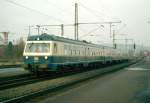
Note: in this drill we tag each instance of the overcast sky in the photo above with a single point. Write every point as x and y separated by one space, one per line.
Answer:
16 16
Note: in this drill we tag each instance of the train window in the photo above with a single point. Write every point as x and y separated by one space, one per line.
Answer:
37 48
85 52
66 50
88 51
75 52
55 48
71 52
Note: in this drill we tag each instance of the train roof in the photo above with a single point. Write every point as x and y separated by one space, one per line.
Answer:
50 37
47 37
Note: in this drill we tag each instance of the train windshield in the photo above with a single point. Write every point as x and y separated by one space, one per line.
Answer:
37 47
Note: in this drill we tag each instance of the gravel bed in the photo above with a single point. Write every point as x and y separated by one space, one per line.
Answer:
8 72
4 65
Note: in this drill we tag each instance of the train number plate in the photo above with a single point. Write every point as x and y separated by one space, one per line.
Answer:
36 58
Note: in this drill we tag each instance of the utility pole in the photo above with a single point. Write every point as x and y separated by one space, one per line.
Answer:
76 22
126 45
114 45
110 24
127 49
126 42
62 30
38 29
29 30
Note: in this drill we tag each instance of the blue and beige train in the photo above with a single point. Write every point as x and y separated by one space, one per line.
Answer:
52 53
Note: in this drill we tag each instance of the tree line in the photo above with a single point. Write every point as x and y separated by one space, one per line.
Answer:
12 52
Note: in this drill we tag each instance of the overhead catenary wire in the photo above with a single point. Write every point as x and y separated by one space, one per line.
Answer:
34 10
105 10
90 10
90 32
58 7
99 14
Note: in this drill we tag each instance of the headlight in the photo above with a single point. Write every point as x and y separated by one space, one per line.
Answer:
27 57
46 57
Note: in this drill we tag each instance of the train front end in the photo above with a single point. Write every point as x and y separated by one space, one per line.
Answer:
37 55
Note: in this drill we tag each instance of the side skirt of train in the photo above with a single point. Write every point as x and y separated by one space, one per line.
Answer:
42 66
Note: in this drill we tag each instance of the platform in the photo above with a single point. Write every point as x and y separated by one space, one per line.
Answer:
129 85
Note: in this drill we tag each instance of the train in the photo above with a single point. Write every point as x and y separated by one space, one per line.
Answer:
46 52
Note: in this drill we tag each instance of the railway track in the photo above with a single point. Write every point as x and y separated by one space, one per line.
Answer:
27 79
16 82
75 79
9 78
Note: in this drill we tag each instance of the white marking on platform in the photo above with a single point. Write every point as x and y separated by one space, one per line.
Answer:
137 69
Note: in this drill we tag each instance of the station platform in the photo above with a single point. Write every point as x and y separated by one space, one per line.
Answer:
128 85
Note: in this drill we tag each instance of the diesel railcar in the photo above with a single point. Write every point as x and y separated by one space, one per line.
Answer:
52 53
